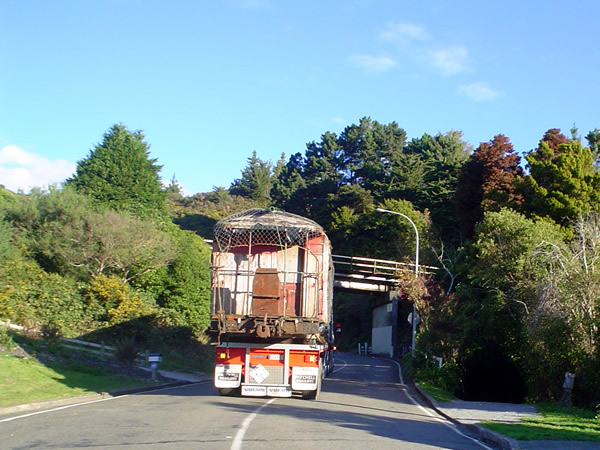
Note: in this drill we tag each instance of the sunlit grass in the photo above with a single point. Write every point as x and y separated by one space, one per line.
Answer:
556 423
25 380
438 394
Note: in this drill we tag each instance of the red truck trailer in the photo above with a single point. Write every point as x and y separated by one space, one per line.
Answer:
271 304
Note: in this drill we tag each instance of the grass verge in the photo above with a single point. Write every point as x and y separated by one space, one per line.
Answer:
438 394
25 380
556 423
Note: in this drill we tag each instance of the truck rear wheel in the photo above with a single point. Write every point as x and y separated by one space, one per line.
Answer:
230 392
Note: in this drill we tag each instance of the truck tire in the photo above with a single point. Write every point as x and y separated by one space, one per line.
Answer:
230 392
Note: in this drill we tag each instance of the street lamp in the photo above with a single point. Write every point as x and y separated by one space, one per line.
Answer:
414 313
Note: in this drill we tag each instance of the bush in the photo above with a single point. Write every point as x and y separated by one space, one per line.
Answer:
116 301
126 350
423 367
30 296
6 340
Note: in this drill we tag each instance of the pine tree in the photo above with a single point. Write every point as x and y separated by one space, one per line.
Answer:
119 172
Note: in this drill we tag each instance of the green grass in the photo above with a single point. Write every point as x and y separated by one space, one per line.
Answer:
556 423
25 380
438 394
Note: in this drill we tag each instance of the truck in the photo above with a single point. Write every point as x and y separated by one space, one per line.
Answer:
271 304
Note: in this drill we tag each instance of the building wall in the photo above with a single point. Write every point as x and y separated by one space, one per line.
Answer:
382 336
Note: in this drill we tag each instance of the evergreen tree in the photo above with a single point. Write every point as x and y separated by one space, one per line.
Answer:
487 182
436 164
255 182
562 183
119 172
593 138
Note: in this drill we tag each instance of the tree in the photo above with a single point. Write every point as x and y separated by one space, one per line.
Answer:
255 182
369 152
183 289
562 183
554 139
487 182
494 303
571 287
500 257
69 236
287 180
440 160
593 138
388 236
120 173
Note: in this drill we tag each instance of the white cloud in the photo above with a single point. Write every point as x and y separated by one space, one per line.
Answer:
20 169
480 92
449 60
404 33
372 63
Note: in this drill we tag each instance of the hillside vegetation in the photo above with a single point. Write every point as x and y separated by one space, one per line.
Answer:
514 305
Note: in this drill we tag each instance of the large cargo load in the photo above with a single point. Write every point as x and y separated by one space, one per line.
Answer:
271 303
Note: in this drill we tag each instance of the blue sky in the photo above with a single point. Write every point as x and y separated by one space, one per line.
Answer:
208 82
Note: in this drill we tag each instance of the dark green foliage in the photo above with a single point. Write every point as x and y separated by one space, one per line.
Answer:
182 288
593 138
120 173
287 180
201 212
256 181
423 367
432 167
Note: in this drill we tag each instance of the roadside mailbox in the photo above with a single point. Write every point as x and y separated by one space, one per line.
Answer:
154 359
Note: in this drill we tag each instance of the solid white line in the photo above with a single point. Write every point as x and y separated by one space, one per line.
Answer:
399 370
432 415
239 436
60 408
24 416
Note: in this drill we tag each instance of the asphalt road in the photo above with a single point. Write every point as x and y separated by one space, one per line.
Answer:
363 405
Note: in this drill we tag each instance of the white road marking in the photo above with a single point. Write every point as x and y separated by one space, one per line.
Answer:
23 416
432 415
59 408
239 437
341 368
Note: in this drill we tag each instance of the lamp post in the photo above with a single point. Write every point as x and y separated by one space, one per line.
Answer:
414 312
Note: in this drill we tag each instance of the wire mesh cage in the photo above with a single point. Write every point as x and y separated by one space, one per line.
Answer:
264 227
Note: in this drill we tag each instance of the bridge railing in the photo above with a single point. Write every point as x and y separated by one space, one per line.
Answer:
375 267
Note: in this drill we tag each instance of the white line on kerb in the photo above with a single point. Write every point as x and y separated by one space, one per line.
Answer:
429 413
239 436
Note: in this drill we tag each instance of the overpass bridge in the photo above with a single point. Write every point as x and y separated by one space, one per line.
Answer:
354 273
377 279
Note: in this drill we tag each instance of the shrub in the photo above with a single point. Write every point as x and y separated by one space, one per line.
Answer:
126 350
6 340
116 301
423 367
29 295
